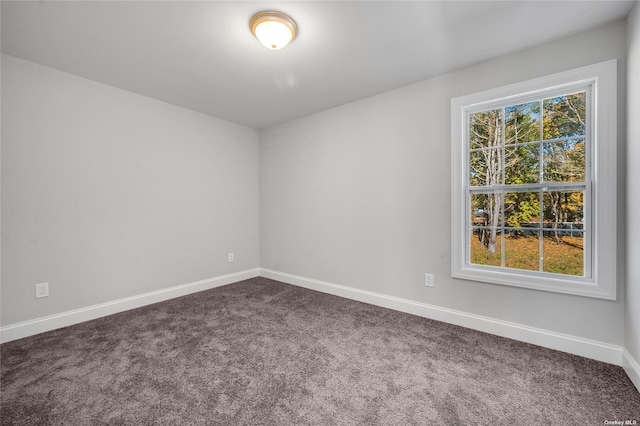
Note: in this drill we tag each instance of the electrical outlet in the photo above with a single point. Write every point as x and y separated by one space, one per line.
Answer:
42 290
230 257
428 280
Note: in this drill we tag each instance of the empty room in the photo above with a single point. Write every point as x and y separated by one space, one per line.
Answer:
320 212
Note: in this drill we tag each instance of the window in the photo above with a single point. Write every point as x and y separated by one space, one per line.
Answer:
534 183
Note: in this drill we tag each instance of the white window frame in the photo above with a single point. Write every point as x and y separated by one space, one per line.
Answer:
601 241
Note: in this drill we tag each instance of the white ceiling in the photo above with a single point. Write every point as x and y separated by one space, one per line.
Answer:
201 55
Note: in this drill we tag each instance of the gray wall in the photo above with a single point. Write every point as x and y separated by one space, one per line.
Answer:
632 311
359 195
108 194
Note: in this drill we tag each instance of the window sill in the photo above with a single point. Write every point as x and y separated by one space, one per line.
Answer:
546 282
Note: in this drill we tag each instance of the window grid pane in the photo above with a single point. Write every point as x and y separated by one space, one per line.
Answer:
527 185
598 82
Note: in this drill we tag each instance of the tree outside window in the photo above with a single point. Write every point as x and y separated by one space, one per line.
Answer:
527 183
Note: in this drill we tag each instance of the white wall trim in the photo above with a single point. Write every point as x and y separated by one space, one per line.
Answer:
576 345
632 368
64 319
572 344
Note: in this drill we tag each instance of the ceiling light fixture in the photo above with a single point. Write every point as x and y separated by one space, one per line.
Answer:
273 29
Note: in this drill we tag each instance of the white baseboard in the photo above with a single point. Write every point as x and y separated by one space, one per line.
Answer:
632 368
575 345
64 319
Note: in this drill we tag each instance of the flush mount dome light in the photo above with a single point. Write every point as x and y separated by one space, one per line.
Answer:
273 29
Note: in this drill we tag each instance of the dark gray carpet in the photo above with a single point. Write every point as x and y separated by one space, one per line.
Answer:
264 352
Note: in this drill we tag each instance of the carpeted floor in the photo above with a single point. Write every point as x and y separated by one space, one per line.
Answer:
264 352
